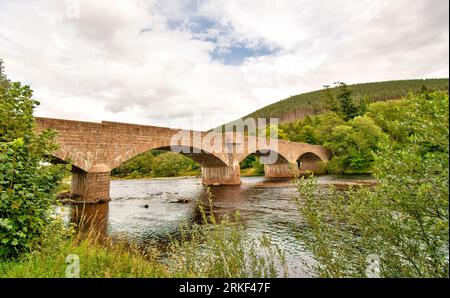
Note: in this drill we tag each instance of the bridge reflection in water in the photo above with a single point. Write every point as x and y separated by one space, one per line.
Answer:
90 218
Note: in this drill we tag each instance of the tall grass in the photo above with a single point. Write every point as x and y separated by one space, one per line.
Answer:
99 256
223 249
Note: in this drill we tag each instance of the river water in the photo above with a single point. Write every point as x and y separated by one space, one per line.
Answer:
150 209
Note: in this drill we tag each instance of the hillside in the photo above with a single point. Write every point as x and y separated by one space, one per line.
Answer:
298 106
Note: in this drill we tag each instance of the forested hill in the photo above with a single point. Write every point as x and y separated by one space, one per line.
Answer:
298 106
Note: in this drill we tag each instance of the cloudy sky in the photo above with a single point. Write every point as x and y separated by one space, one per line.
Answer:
198 64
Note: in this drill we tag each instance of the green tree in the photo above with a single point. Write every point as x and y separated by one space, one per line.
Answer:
325 124
171 164
138 166
308 135
391 117
363 105
353 145
27 180
402 224
248 162
258 166
275 129
330 99
346 104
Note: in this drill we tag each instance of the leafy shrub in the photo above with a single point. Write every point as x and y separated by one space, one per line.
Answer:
248 162
258 166
353 145
403 223
391 116
27 181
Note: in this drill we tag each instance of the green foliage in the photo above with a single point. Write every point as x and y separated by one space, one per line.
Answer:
346 105
354 142
390 116
258 167
343 103
276 132
325 125
140 166
403 222
308 135
27 181
353 145
248 161
172 164
251 166
97 259
329 99
157 163
313 129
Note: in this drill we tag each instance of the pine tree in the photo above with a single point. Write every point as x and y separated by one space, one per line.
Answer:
347 106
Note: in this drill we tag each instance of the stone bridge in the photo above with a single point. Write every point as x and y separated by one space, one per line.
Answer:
94 149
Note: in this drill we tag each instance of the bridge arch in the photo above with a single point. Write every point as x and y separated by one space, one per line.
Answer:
73 158
267 156
204 158
311 162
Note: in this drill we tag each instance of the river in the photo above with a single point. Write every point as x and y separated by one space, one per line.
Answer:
149 209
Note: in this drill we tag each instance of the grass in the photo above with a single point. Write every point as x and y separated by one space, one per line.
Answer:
96 260
250 172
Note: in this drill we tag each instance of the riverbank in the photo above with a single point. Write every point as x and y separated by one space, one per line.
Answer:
96 260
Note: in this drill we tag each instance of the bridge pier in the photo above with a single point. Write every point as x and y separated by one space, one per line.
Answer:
280 170
222 175
92 186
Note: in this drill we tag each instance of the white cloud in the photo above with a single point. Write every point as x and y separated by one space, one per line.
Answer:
123 61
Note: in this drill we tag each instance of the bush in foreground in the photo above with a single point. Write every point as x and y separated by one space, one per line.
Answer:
27 181
401 228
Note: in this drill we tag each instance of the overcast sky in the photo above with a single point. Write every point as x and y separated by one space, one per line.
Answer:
198 64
